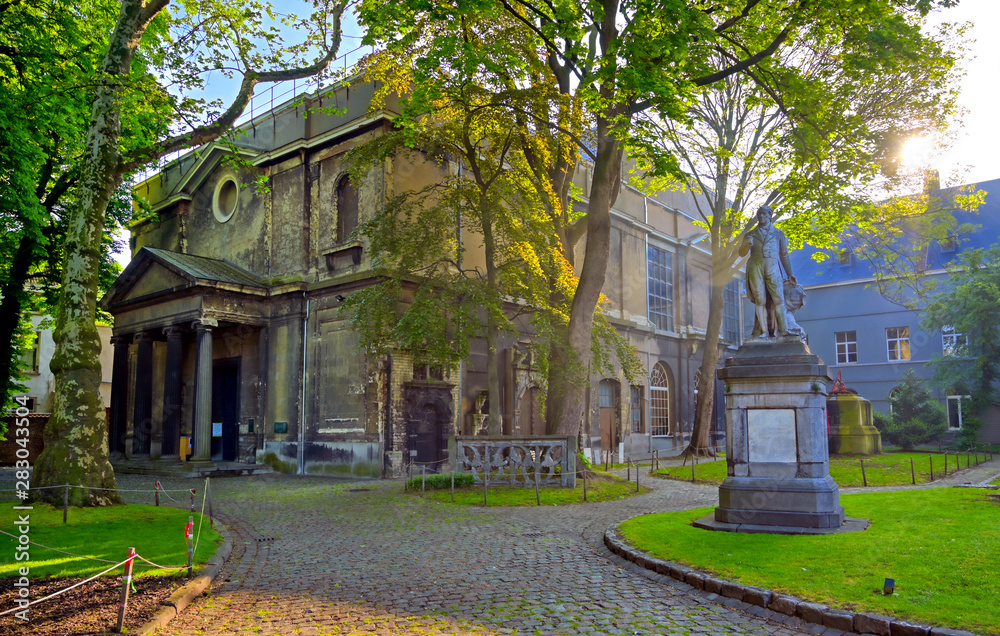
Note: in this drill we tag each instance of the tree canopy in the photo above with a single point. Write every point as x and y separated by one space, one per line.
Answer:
966 311
619 59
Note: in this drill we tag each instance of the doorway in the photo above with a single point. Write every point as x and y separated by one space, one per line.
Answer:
225 410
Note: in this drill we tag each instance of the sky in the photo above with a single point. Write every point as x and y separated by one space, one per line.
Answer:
977 146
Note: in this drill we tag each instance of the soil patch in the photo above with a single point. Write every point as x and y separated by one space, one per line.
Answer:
88 610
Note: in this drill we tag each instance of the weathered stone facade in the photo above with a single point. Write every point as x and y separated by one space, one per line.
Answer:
228 330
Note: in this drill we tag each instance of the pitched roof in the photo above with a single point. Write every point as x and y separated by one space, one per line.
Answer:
809 271
208 269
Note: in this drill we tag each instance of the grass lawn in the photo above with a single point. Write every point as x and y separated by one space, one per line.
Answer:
601 488
156 533
941 546
888 469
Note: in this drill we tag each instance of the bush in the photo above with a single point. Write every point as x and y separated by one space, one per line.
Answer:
917 418
913 432
440 481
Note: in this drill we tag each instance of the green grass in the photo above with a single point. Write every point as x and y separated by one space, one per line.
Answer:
602 488
888 469
156 533
940 545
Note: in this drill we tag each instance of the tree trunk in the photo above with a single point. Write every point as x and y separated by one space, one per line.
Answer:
564 412
76 438
11 303
700 443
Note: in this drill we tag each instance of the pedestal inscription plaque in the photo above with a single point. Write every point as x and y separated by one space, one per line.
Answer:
771 435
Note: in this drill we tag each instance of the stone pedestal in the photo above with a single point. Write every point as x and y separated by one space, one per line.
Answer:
778 462
851 429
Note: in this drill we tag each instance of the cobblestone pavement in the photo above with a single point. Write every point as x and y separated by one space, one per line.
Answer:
317 556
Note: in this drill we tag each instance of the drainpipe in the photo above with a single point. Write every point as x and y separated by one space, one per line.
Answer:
302 389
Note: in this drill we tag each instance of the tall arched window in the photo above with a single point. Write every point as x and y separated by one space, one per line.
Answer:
659 400
347 209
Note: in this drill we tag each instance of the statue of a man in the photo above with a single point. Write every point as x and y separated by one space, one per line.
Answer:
768 248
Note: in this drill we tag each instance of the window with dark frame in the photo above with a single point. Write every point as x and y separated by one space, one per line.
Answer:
731 312
347 209
847 347
635 411
659 263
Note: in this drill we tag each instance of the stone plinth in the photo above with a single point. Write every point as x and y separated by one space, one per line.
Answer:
777 455
851 429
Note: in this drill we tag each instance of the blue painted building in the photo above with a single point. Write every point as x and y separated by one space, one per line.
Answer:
871 341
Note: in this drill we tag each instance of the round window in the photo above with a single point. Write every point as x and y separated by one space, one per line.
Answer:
226 199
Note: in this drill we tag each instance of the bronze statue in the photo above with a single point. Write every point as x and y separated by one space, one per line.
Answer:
768 248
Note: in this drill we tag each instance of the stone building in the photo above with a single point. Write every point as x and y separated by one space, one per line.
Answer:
227 329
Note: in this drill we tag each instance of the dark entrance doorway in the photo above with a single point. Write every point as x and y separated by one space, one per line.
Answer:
225 410
428 420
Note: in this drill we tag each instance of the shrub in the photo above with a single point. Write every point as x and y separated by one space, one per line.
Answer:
917 418
440 481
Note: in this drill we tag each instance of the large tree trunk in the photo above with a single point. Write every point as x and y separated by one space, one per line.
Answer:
564 412
76 439
12 299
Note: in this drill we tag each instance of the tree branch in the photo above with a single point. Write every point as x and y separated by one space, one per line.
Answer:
210 132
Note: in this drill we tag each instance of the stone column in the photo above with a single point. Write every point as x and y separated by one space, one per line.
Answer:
172 393
142 420
203 392
119 395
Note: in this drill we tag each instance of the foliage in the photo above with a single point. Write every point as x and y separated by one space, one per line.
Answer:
49 52
440 481
936 543
106 533
917 418
968 307
151 59
486 245
619 59
741 145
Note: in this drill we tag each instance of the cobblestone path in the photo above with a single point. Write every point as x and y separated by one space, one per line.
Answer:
317 556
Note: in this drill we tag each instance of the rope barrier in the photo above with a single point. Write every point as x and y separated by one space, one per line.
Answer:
89 558
80 556
63 591
201 520
92 488
162 567
161 489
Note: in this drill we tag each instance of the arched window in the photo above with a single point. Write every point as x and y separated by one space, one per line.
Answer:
347 209
659 398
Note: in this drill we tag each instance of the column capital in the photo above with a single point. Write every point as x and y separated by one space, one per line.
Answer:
173 331
143 335
121 339
204 324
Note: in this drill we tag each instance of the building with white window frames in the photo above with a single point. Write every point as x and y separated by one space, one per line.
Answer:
873 341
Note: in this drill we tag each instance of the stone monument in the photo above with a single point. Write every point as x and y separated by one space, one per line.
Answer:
776 429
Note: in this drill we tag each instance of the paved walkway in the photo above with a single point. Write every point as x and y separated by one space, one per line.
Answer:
318 556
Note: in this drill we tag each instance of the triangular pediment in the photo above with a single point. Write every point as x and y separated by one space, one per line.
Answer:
156 272
155 280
